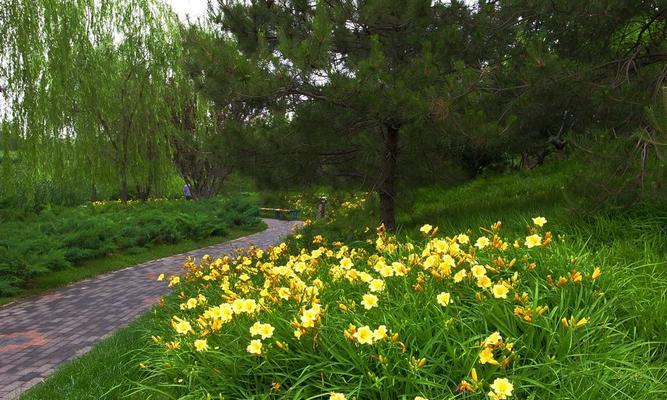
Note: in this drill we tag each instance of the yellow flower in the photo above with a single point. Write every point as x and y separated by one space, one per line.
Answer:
581 322
454 248
441 246
369 301
310 316
444 299
364 335
161 277
283 293
478 271
484 282
399 268
430 262
493 339
486 357
539 221
425 229
192 303
482 242
255 347
181 326
463 239
465 386
459 276
363 276
237 306
533 240
201 345
376 285
350 331
502 387
173 345
298 267
596 273
386 271
249 306
380 333
174 280
266 331
420 398
346 263
500 291
226 312
254 329
337 396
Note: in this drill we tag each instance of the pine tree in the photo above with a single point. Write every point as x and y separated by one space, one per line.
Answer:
345 90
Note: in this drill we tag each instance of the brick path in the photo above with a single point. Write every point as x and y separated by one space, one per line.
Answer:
39 334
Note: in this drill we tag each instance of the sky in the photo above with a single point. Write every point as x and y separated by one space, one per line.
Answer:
193 8
197 8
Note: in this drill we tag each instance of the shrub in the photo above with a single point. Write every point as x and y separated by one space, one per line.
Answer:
56 238
466 316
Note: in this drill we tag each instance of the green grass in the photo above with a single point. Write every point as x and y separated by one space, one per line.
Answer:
622 353
94 267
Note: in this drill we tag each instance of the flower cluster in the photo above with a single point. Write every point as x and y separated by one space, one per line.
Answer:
371 300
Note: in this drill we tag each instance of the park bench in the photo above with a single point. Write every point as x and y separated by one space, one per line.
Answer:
281 213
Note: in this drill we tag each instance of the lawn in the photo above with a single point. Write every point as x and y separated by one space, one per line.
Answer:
588 320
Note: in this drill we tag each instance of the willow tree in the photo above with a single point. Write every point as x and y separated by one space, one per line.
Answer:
84 84
200 151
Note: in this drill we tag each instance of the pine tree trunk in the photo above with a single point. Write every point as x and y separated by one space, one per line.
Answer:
123 185
388 183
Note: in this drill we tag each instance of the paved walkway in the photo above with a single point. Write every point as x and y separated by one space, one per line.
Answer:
39 334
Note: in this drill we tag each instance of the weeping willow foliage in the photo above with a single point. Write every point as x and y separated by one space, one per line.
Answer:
82 109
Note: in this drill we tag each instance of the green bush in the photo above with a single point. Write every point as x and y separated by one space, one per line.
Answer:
57 238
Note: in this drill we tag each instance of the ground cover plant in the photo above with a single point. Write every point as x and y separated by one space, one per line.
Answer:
626 327
96 266
57 239
472 314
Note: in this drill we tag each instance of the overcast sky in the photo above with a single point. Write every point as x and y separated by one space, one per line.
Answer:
197 8
193 8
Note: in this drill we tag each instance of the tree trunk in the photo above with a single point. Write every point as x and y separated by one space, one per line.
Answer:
388 183
123 190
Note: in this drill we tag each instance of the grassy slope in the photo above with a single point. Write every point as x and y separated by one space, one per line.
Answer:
630 247
106 372
94 267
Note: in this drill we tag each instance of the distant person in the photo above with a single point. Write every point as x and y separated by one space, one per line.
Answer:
187 192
